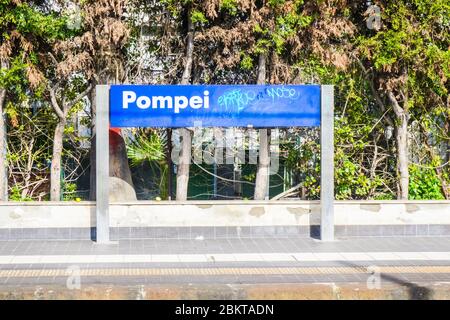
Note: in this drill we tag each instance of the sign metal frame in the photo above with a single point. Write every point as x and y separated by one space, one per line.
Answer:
102 119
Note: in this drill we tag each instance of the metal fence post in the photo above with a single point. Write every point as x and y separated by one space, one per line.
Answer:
327 163
102 163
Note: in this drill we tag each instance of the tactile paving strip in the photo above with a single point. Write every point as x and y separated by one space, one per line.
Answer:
133 272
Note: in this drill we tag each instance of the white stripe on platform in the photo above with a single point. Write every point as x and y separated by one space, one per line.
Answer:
227 257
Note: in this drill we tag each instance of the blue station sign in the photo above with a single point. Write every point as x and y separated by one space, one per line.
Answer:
175 106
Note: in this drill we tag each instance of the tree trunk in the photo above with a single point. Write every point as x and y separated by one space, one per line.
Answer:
61 110
261 78
185 134
262 173
183 164
402 157
401 136
185 79
169 164
55 171
3 150
92 154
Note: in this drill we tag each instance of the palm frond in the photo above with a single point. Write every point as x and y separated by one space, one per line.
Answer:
146 145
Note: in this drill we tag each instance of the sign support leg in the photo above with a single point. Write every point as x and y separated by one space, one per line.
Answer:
327 163
102 163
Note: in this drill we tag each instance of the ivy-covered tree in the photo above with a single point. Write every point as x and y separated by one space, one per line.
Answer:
97 51
27 30
408 63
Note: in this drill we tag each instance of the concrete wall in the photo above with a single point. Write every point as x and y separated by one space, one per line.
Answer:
232 218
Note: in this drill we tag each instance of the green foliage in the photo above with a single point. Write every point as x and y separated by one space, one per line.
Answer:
350 181
14 78
286 25
416 39
246 62
249 177
28 20
146 146
384 196
198 17
229 6
276 3
424 184
409 56
303 158
16 195
262 46
69 191
149 146
29 147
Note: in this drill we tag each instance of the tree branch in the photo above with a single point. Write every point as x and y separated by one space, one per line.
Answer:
77 99
399 112
54 101
372 88
189 50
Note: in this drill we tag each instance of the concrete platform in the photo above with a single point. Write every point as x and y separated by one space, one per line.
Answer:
303 268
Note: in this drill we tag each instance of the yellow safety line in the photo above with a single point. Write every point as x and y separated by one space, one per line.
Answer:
124 272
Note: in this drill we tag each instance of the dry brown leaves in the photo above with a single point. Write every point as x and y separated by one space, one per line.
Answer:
34 76
329 34
99 46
